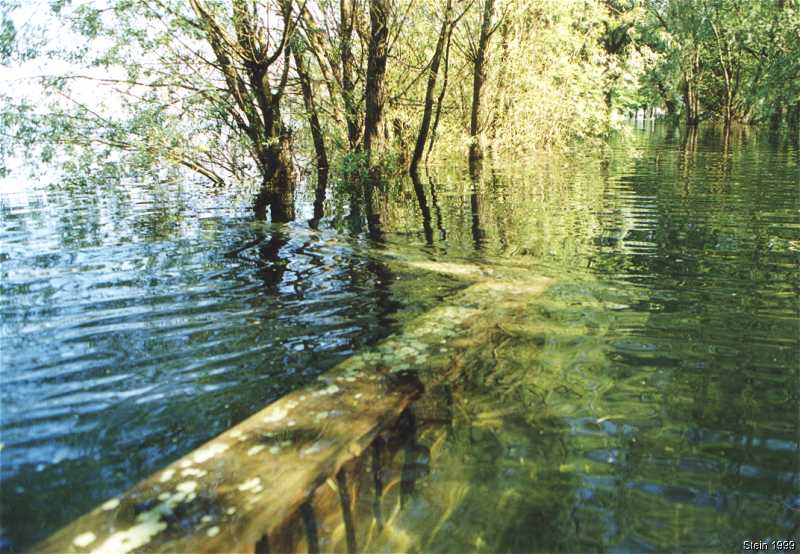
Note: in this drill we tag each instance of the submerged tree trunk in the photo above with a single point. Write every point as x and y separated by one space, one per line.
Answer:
478 78
244 61
278 183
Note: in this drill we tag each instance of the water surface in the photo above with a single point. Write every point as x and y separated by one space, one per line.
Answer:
649 401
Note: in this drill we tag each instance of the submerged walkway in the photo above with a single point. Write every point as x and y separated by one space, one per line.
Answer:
291 477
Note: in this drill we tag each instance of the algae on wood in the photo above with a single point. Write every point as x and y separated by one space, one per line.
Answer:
246 485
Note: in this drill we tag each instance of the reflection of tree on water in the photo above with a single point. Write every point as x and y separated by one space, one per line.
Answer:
423 207
688 151
475 175
697 429
381 278
277 248
480 467
320 190
273 264
371 187
707 449
437 210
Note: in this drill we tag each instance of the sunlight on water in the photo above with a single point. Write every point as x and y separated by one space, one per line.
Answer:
647 401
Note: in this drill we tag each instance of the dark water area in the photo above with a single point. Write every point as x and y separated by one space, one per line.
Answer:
138 323
656 406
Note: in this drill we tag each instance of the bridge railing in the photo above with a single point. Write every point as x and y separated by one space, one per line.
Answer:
288 477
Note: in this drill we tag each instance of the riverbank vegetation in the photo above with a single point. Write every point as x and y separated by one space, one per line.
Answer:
278 91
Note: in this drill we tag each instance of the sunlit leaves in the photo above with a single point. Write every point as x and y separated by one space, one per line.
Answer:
748 48
141 75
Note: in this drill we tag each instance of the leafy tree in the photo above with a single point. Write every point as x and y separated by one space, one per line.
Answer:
243 90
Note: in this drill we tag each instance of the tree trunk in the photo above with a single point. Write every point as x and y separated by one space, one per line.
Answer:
278 184
776 118
690 103
504 97
443 89
727 74
728 114
671 108
690 96
347 13
244 64
478 78
375 90
427 112
669 103
316 133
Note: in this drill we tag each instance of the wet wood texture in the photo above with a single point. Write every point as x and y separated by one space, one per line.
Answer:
286 478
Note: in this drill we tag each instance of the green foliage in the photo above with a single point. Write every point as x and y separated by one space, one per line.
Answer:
140 83
741 55
353 166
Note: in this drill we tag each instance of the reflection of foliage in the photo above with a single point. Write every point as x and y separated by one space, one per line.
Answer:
674 372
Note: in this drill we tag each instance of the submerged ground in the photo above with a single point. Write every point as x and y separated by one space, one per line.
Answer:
648 401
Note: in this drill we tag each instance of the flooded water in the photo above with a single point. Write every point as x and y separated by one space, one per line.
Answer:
648 401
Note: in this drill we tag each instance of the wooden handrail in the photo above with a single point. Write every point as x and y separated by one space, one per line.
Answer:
240 491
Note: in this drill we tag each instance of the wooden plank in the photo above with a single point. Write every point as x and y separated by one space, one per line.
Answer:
246 485
246 482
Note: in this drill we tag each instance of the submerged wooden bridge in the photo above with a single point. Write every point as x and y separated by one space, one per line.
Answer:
313 470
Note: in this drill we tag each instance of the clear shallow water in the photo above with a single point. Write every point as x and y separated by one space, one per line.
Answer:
138 323
650 401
